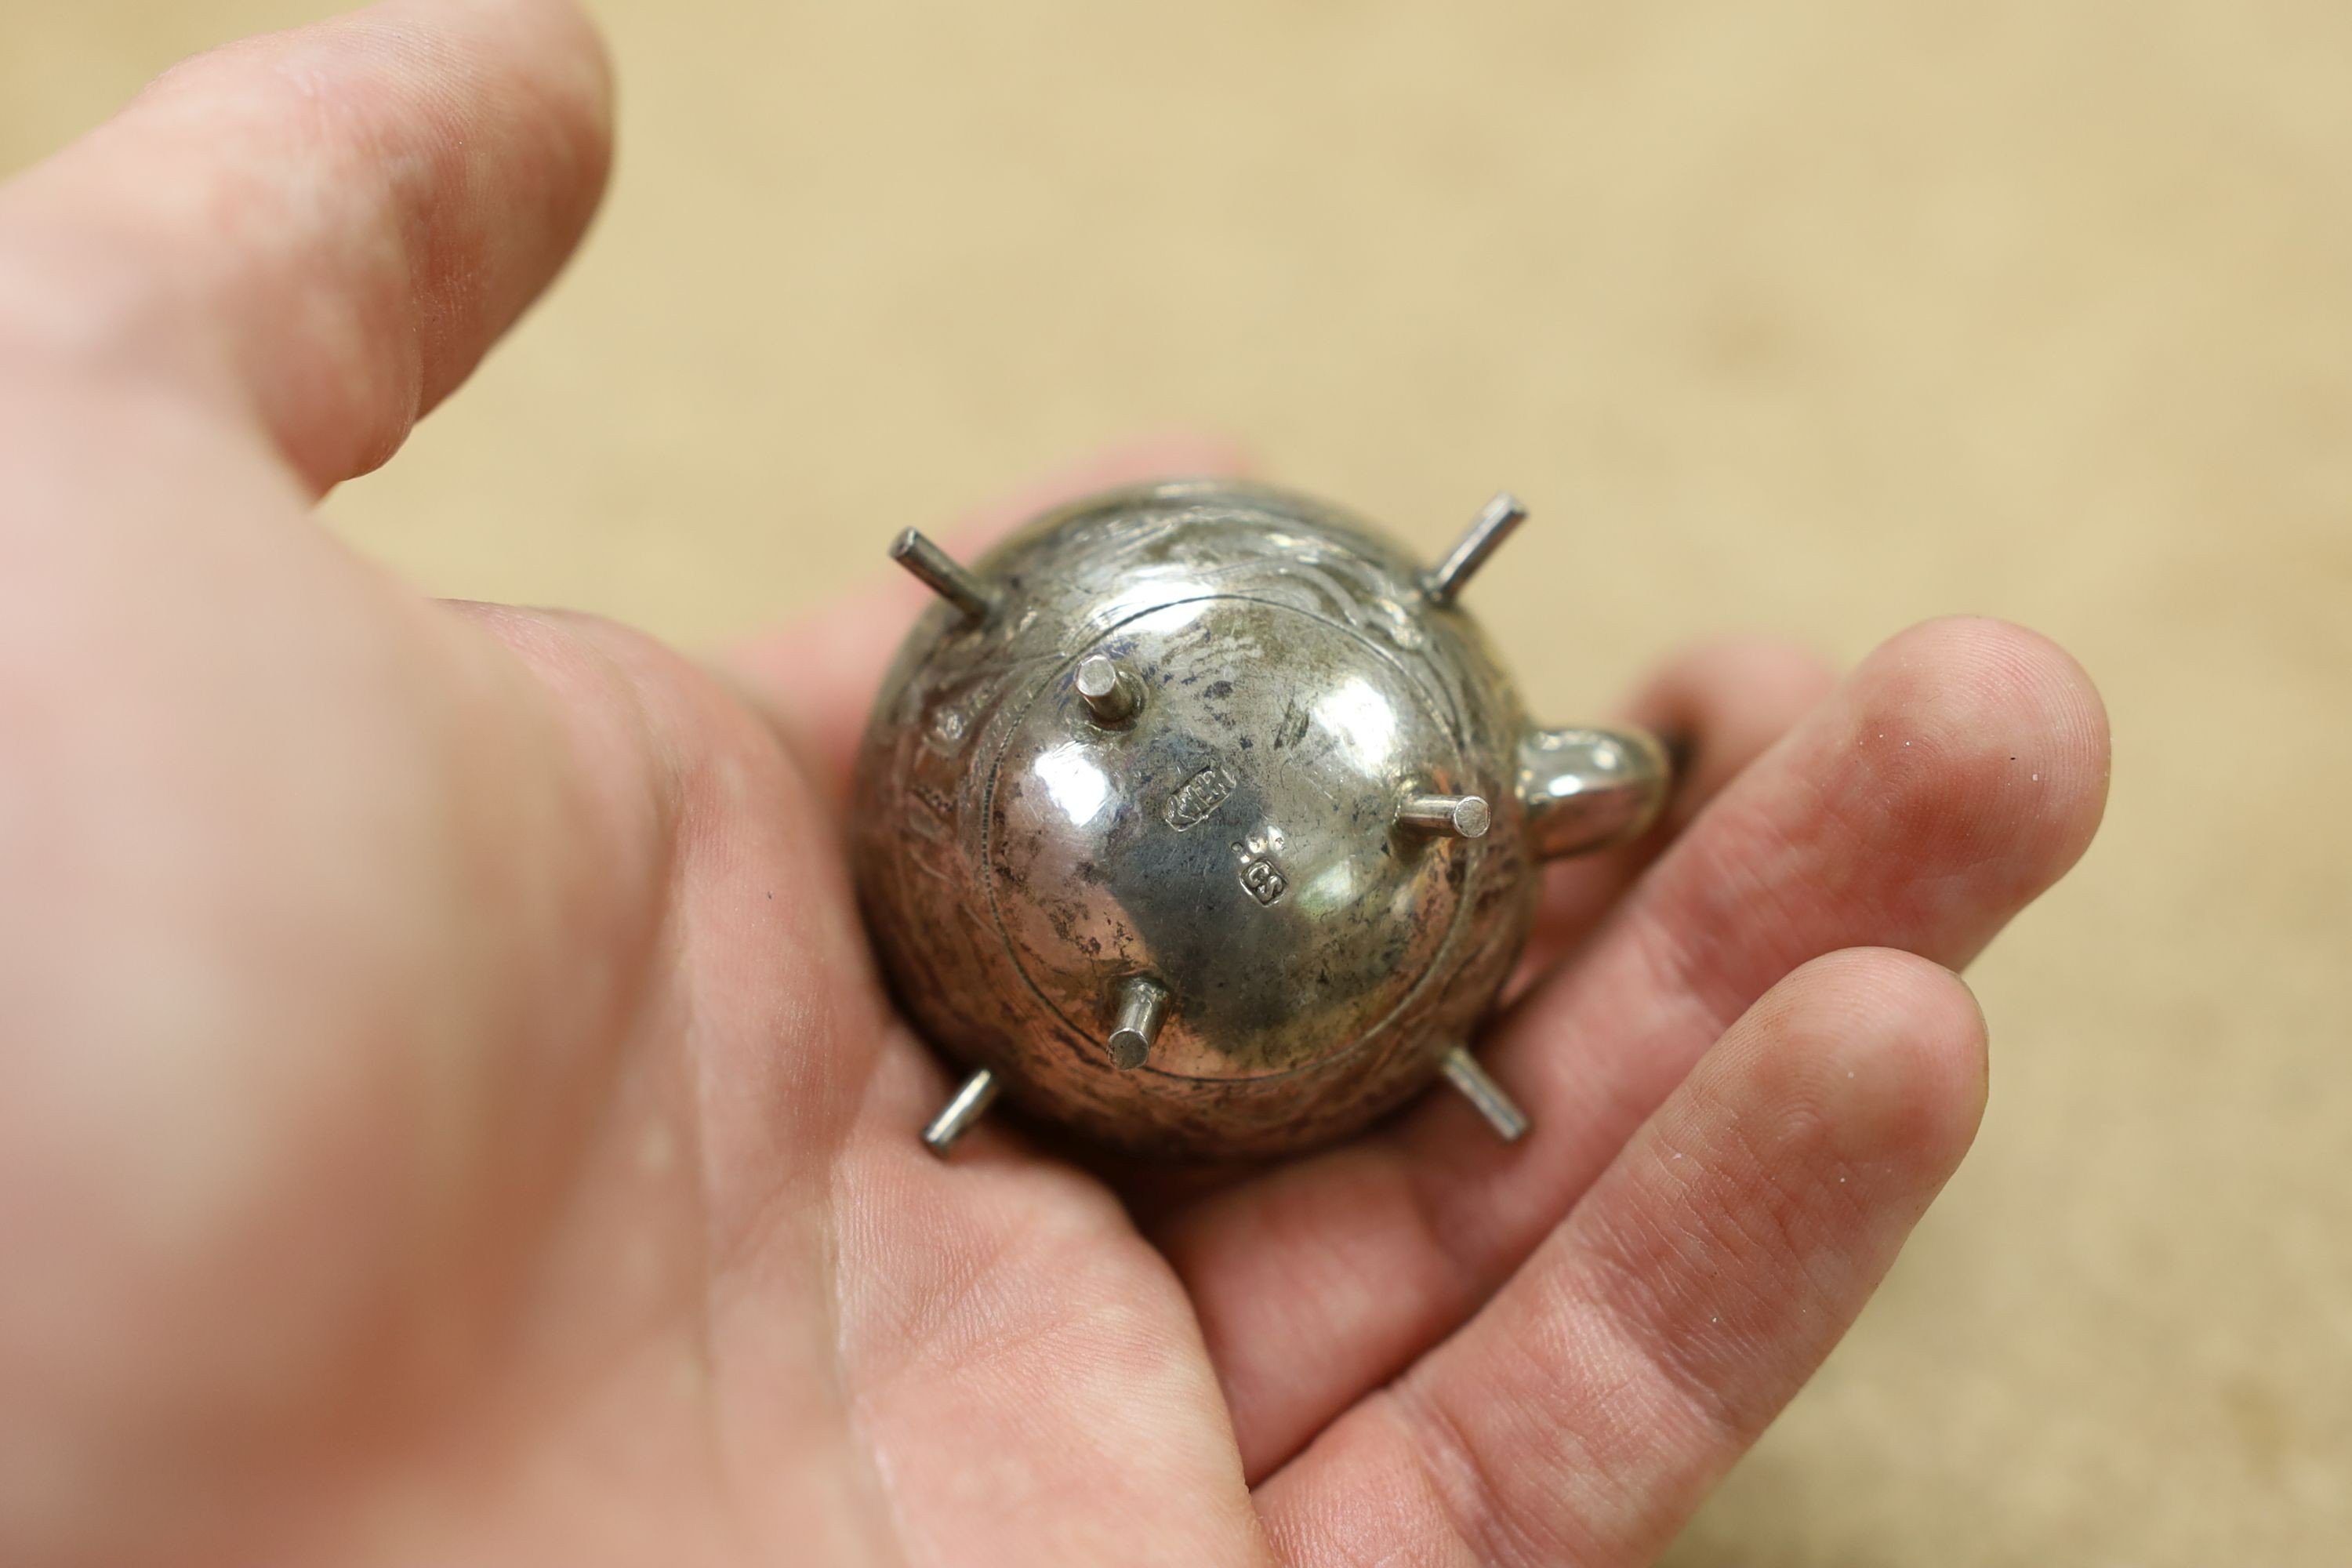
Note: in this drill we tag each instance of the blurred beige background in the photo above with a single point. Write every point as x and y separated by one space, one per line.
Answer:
1818 318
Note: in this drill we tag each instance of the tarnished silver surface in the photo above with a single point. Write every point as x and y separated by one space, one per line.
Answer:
1201 818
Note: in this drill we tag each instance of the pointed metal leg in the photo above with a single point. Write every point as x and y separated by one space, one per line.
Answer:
1109 695
1142 1008
1502 1113
943 575
1490 528
964 1108
1456 815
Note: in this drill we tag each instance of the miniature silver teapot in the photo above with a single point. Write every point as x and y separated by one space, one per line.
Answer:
1197 818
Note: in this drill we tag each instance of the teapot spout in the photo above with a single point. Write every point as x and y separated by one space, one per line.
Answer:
1587 789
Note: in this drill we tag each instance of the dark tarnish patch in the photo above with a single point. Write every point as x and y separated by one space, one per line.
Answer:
1218 690
1293 728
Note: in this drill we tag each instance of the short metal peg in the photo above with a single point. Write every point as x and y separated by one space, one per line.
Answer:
1455 815
1109 692
1142 1008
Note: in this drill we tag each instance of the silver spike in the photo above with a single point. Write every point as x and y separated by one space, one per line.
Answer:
965 1107
1502 1113
943 575
1488 529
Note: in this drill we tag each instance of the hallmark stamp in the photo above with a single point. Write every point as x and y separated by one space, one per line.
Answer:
1199 795
1260 876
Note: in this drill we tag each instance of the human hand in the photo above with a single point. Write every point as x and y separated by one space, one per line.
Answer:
448 1114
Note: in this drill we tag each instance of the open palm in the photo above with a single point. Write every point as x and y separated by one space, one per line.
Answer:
449 1113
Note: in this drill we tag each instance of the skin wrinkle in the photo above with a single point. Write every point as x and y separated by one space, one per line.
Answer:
1582 1449
626 1358
1450 1468
575 640
858 1425
1737 899
703 1332
1480 1509
749 1234
631 999
1453 1289
1309 1252
568 656
1622 1308
1783 1221
1453 1285
1665 1433
1619 1286
1661 963
712 1260
865 1080
631 974
1413 1530
844 1193
991 1347
352 328
961 1297
1738 696
727 1259
1876 812
992 1343
1011 1288
836 1332
1789 1212
924 1314
857 1415
1620 1274
1606 1098
830 1115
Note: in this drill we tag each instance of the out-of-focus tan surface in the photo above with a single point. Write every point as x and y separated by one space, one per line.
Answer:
1817 318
